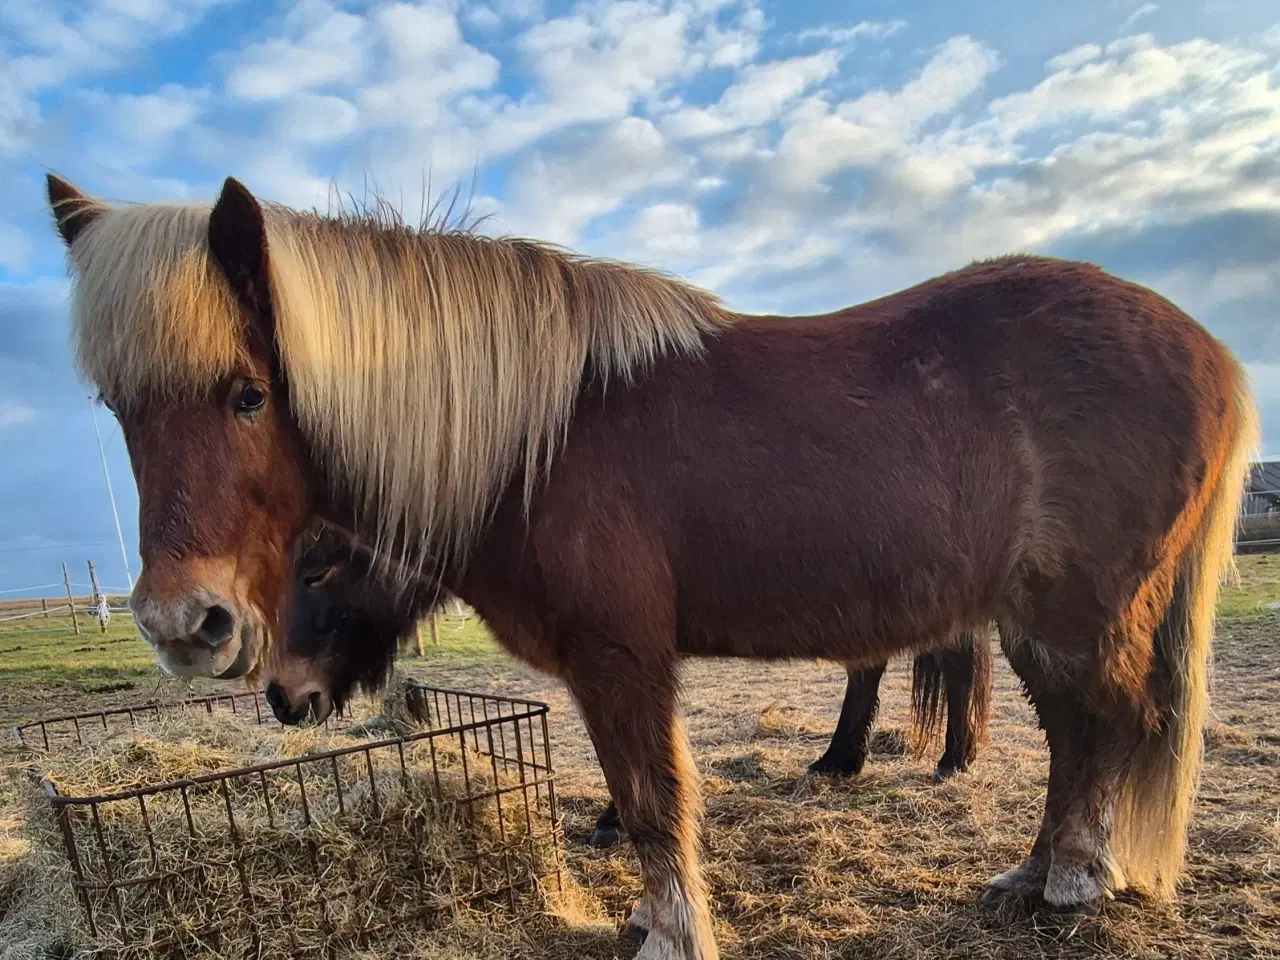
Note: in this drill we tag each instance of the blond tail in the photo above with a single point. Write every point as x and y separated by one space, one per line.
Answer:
1154 806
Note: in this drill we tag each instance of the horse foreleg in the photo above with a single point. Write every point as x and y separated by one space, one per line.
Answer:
847 752
630 708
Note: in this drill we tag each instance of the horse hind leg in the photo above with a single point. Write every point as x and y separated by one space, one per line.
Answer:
847 753
1071 866
967 676
630 708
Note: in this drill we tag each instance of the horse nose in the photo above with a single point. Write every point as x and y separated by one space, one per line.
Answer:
195 631
217 627
278 700
210 627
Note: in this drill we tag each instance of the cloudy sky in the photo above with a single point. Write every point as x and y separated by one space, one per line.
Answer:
793 156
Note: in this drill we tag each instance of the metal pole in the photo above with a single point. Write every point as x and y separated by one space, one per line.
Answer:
99 601
124 554
71 600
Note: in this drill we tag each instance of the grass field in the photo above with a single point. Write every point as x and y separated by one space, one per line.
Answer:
884 866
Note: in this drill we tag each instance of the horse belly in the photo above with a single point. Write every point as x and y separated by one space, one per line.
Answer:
820 572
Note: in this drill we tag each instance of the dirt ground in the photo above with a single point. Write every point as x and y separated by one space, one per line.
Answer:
888 865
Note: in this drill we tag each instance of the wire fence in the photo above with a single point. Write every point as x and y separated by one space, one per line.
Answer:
328 848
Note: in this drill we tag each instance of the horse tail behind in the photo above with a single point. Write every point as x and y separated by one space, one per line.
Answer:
1154 806
980 693
928 700
931 690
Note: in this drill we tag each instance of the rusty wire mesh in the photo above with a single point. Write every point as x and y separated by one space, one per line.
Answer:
491 753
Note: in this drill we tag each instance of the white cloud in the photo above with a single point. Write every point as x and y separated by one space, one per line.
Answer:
19 115
1075 57
953 74
875 29
12 415
148 119
597 62
325 46
555 194
42 46
15 248
1143 11
1137 72
862 132
1265 380
757 97
483 18
427 64
312 119
285 176
45 45
666 229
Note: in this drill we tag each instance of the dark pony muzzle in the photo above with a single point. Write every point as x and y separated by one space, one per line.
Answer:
313 707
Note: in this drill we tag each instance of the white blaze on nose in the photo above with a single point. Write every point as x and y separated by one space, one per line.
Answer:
200 626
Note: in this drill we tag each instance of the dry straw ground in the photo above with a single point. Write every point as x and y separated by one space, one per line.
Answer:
888 865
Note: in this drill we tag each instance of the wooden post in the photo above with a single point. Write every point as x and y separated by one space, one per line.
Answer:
66 578
44 607
97 593
435 629
417 636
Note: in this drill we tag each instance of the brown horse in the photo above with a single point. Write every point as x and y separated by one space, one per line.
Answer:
347 625
614 471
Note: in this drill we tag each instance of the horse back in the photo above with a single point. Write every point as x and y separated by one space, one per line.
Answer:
852 484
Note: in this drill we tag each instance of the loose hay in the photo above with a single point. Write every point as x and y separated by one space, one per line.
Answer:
374 848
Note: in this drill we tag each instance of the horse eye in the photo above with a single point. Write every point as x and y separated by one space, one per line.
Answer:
251 399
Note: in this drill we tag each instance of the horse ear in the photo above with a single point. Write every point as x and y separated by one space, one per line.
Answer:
238 240
72 209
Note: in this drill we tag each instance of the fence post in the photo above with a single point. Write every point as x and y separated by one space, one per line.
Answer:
66 578
417 638
435 628
44 607
97 595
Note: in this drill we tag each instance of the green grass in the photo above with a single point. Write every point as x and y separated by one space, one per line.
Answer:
1259 586
38 653
460 641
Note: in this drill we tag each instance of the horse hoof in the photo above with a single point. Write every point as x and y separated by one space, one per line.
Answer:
1087 908
605 837
824 767
993 898
943 774
1023 884
1075 888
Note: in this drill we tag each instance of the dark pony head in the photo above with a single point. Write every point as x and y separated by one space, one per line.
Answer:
345 628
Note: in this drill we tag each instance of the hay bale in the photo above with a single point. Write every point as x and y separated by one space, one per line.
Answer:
356 851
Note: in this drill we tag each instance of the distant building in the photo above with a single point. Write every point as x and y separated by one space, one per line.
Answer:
1264 489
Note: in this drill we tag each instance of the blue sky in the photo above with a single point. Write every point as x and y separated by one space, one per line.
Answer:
793 156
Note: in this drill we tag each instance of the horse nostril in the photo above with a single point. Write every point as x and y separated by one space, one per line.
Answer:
276 699
216 628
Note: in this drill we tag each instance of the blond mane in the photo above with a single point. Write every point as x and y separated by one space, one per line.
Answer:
427 367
